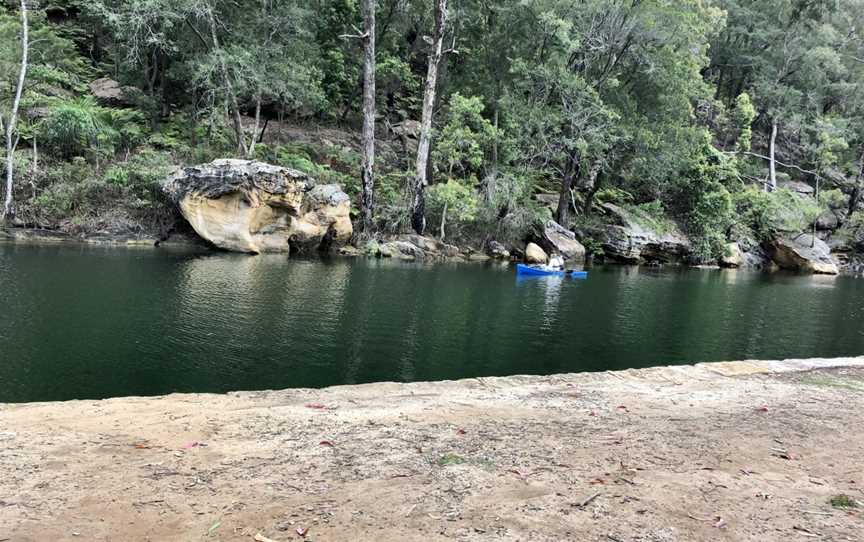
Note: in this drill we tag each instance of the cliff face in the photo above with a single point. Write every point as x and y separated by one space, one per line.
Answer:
248 206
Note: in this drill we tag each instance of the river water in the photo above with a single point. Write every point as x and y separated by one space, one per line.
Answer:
84 323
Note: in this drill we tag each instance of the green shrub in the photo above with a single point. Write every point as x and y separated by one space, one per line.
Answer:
755 210
465 139
833 199
117 175
651 215
452 203
70 189
75 127
708 222
793 212
75 190
613 194
392 201
507 209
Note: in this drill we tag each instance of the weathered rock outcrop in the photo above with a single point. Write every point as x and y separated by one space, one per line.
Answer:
109 92
535 254
828 221
558 239
401 250
627 240
497 251
412 247
249 206
797 187
803 253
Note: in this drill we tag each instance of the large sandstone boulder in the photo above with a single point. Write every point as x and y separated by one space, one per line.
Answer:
249 206
803 253
733 256
109 92
828 221
630 240
535 254
561 240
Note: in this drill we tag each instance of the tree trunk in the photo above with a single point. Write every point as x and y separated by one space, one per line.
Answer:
772 162
255 130
443 220
418 207
593 185
35 156
234 106
813 233
495 141
856 190
368 172
13 116
490 184
571 171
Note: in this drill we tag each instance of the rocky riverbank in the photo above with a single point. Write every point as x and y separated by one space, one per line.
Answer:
253 207
747 451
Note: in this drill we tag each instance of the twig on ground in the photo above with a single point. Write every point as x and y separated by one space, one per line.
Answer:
588 500
805 532
815 512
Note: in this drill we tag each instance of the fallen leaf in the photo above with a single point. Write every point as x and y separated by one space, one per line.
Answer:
623 407
316 406
597 481
763 408
141 446
192 444
214 527
326 443
461 431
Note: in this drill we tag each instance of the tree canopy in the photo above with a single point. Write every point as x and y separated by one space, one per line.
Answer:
687 107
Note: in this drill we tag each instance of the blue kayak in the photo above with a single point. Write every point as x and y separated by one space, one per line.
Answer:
522 269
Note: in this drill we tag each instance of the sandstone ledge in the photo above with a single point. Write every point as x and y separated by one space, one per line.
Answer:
629 454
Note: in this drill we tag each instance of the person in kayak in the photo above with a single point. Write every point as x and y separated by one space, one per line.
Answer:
556 262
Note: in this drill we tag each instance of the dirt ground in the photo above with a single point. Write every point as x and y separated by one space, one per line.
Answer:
702 453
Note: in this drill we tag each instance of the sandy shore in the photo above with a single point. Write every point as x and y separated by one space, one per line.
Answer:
738 451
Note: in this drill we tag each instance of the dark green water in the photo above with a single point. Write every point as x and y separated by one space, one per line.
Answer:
91 323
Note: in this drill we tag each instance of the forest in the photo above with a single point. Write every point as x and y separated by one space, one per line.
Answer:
733 120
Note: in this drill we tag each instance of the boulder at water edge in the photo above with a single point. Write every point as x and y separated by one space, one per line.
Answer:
803 253
733 256
249 206
563 241
535 254
497 251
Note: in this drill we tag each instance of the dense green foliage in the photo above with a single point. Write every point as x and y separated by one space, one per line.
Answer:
666 107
